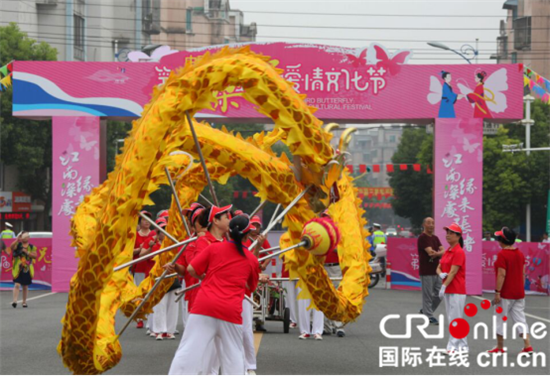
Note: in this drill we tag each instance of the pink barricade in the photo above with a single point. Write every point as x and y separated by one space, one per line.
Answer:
404 263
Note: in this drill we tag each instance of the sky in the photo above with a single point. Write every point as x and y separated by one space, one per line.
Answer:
394 30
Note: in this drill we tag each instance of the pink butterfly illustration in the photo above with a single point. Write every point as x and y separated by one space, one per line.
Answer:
358 60
393 64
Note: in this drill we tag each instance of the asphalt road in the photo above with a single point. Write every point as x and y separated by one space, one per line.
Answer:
29 337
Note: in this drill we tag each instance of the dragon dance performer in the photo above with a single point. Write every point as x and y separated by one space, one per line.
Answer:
145 238
228 271
248 310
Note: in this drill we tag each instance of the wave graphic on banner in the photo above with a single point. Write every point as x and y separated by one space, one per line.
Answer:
47 95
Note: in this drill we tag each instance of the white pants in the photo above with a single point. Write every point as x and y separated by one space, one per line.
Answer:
138 278
454 304
204 338
165 318
290 301
184 311
248 336
304 318
514 309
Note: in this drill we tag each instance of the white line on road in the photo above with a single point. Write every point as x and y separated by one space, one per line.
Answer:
526 314
37 297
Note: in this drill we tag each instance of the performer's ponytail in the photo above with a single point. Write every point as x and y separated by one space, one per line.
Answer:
239 226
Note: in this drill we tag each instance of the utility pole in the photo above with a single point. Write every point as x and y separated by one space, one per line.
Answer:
528 99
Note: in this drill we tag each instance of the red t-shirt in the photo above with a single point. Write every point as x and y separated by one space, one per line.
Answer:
228 274
332 257
144 266
199 245
265 245
455 256
513 261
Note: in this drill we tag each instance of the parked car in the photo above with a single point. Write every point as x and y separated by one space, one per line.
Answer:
391 231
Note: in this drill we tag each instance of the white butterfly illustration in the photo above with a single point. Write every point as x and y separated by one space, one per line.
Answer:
436 90
494 85
86 145
470 148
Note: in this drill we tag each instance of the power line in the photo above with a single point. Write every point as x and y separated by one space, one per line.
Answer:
295 26
305 13
430 52
277 37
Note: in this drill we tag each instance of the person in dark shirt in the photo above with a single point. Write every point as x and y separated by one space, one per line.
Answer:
430 251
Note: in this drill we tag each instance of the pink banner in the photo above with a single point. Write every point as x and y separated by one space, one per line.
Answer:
403 259
343 83
76 154
42 266
458 187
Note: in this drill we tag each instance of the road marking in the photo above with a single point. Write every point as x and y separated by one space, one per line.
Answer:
37 297
257 341
526 314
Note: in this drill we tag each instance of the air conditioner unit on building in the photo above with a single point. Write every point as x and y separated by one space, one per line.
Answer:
46 2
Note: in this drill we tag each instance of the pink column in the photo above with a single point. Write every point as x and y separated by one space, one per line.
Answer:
458 189
76 170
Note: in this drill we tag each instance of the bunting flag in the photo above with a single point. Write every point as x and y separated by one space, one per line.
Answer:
376 168
5 82
6 69
538 85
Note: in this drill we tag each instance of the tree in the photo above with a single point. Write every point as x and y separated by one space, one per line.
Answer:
413 190
24 143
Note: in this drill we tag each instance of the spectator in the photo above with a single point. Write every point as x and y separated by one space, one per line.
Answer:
24 255
488 237
545 238
452 270
430 251
379 237
509 292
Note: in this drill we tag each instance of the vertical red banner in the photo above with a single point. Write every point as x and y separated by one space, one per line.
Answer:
76 170
458 189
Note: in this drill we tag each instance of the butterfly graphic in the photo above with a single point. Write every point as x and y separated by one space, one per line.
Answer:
470 148
85 144
357 61
390 64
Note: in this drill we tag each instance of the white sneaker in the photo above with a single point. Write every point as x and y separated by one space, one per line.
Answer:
304 336
153 334
177 332
170 336
250 372
318 337
159 337
148 332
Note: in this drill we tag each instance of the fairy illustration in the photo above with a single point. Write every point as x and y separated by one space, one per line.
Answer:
487 97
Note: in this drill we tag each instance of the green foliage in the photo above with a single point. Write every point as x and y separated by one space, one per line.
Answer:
26 144
510 181
413 190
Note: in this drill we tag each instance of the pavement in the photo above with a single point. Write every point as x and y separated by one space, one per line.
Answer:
29 337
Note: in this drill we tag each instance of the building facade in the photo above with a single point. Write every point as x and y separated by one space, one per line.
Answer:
189 24
525 35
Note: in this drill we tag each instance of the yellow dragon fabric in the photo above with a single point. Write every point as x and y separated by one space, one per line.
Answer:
104 226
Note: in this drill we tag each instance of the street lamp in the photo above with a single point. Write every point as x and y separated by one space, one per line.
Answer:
467 52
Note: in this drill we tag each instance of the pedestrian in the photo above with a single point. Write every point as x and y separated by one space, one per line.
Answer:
228 271
430 251
452 270
7 233
23 256
290 295
144 240
332 266
545 238
165 314
510 292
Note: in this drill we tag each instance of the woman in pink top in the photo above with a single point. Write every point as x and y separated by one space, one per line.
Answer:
227 271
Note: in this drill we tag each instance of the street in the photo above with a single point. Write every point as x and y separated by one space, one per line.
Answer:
29 338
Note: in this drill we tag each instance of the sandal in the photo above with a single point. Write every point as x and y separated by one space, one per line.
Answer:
25 305
14 305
